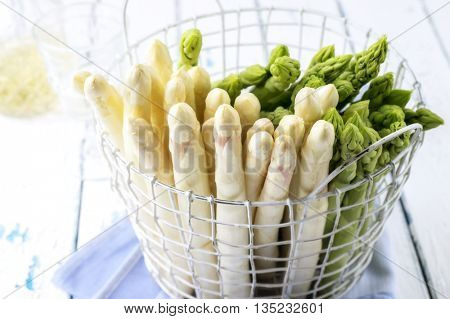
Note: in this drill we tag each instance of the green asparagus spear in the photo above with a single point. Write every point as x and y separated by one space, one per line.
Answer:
276 115
379 89
398 97
284 71
322 55
332 116
350 144
424 116
277 52
190 46
364 67
362 108
344 88
386 115
354 200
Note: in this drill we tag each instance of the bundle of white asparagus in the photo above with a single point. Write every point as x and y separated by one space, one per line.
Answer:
170 124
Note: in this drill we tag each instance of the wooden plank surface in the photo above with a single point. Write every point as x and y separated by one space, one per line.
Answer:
426 192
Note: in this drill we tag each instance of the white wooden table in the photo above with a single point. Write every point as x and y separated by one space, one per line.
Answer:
54 186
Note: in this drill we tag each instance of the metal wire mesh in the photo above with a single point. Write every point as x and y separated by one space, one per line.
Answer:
189 263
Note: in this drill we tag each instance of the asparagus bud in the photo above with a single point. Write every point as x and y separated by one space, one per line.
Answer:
327 97
277 52
159 59
307 107
379 89
108 105
425 117
332 116
190 46
322 55
362 108
260 125
248 107
386 115
293 126
398 97
215 98
175 92
202 86
188 86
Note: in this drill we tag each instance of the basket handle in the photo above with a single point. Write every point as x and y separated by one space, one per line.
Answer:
418 131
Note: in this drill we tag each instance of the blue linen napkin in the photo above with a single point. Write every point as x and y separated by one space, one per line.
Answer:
112 266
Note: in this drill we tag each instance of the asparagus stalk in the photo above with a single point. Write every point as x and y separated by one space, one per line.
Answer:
188 158
307 107
316 154
188 86
352 208
108 105
208 141
350 142
248 107
161 62
293 126
332 116
327 96
379 89
276 188
202 86
214 99
363 68
257 161
260 125
425 117
230 183
175 93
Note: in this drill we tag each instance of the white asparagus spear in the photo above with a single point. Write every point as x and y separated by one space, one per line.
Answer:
202 86
78 80
230 182
257 161
314 163
175 92
293 126
188 156
208 141
307 107
140 145
188 86
108 105
263 124
215 98
276 188
248 107
159 125
159 59
327 96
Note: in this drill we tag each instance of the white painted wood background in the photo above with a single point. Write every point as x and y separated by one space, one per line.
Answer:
54 186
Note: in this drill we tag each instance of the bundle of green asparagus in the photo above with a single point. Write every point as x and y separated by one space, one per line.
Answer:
264 134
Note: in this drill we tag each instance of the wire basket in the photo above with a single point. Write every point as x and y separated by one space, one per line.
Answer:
164 217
